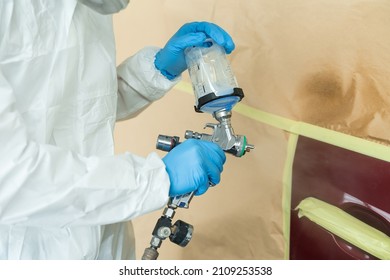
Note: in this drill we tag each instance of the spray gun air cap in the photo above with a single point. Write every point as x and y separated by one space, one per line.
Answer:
214 84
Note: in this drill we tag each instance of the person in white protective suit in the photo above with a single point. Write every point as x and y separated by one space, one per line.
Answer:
63 192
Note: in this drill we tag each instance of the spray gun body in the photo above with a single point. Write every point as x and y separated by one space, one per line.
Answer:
223 135
216 92
180 232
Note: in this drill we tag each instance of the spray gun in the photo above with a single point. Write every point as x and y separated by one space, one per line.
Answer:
216 92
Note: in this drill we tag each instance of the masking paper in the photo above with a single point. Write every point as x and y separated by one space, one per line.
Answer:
324 62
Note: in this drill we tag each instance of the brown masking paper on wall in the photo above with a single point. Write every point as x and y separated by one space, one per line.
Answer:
322 62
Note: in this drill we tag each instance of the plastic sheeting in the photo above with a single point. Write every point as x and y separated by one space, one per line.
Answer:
320 62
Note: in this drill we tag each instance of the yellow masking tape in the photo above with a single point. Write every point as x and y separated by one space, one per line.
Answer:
345 226
286 199
184 86
332 137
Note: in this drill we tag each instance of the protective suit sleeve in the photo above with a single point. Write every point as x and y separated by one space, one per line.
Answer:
140 83
44 185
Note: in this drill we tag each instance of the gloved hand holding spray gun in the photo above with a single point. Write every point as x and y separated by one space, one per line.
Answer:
216 92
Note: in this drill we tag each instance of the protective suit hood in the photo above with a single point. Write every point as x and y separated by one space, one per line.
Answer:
106 7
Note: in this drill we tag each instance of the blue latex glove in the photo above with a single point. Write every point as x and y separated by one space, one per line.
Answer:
171 60
193 165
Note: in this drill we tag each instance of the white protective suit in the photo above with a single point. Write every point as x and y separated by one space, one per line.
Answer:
63 194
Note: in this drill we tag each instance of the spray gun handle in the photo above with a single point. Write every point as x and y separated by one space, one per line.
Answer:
167 143
181 201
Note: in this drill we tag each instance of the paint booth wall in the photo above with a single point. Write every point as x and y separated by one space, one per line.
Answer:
321 62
